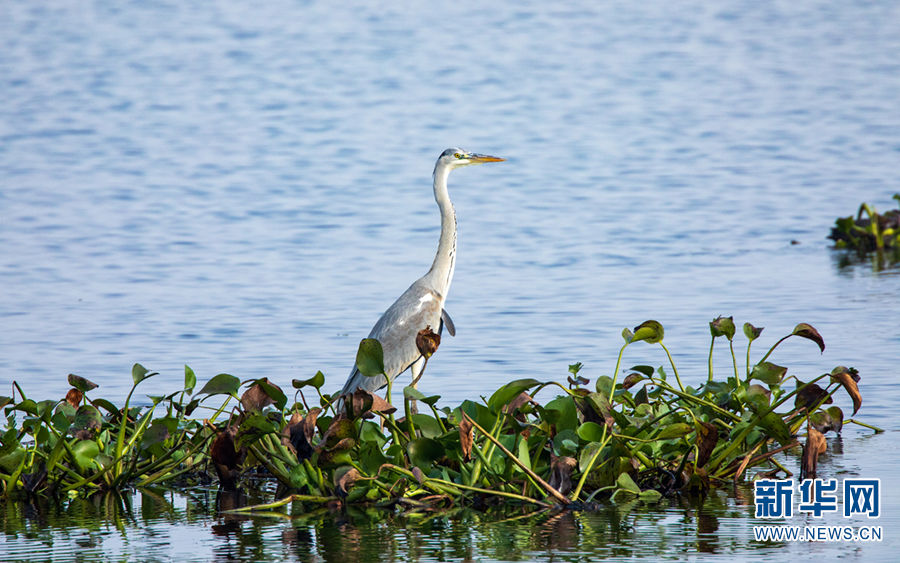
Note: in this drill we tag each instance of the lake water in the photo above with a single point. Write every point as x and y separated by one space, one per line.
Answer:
245 189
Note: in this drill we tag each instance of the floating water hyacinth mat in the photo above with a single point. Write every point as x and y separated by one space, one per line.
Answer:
643 437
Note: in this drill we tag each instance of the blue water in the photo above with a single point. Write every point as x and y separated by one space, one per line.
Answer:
245 189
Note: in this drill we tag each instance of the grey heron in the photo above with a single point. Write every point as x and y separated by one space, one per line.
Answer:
422 305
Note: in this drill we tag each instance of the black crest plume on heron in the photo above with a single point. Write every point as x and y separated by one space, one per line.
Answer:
422 304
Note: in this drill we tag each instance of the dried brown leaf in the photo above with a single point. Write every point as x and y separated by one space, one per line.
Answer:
810 396
561 469
343 480
466 437
631 380
848 378
595 407
757 388
814 447
707 438
73 397
255 398
577 380
520 399
226 457
299 432
361 403
807 331
427 341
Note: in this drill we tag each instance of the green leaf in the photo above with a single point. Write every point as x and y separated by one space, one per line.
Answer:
768 373
191 406
575 368
427 425
298 476
10 440
159 431
63 417
85 451
370 357
222 384
722 326
510 391
627 335
590 432
45 409
413 394
587 452
105 405
562 411
424 451
81 383
674 430
10 461
650 331
604 385
523 453
807 331
28 406
140 373
316 381
626 483
650 495
646 370
754 395
751 332
190 379
87 417
776 428
566 442
259 421
837 417
641 398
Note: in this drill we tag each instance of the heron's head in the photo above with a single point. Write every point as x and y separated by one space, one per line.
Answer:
456 158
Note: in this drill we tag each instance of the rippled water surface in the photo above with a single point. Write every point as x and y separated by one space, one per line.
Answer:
246 188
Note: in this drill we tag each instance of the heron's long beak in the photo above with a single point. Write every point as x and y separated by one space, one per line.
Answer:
484 158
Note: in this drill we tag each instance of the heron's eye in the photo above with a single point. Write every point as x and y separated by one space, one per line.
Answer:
459 155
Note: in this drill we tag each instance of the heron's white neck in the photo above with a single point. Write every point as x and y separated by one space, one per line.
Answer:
441 273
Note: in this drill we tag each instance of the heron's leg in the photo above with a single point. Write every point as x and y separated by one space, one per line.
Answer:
416 369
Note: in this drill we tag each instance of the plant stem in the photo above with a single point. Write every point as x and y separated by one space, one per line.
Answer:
616 371
772 349
672 363
863 424
553 492
734 362
587 470
282 502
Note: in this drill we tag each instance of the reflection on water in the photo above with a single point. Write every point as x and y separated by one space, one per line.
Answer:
192 524
885 262
157 526
143 525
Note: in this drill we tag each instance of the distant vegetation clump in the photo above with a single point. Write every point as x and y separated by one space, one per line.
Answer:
638 437
870 231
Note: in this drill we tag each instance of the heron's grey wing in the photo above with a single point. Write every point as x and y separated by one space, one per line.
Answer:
448 322
418 307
